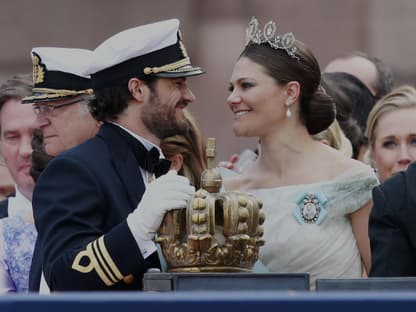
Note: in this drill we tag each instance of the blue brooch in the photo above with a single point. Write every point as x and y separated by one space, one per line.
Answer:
311 208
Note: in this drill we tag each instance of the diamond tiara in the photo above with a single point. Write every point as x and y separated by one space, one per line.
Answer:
269 34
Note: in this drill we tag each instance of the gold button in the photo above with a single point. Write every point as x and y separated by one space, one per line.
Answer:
128 279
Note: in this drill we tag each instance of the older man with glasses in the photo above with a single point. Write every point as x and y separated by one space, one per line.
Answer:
60 98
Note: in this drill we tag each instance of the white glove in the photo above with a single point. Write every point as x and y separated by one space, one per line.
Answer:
169 191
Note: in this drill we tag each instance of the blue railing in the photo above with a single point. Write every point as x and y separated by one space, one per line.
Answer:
226 301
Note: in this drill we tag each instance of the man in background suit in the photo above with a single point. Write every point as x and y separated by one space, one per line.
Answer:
392 226
17 232
17 125
94 209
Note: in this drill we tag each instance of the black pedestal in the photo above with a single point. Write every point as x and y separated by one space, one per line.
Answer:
372 283
225 281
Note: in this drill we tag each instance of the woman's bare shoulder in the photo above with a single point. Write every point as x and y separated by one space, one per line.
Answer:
340 164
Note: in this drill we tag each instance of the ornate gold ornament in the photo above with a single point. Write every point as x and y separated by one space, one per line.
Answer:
217 232
172 67
47 93
167 67
100 261
38 70
182 46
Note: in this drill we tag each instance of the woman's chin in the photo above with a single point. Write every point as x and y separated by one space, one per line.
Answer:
238 132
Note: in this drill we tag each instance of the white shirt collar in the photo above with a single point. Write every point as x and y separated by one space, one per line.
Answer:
19 204
147 144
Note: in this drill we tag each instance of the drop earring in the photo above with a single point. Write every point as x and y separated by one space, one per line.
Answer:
288 112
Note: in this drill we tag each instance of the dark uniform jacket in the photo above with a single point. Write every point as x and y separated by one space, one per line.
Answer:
393 226
81 202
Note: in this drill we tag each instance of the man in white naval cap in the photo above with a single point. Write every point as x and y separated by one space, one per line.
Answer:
61 93
60 96
95 210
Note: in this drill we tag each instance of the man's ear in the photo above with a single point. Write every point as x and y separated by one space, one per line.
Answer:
136 88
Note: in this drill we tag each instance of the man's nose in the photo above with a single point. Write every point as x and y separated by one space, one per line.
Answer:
26 146
189 96
42 121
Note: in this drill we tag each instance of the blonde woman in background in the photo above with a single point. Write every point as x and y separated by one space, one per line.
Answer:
392 137
391 132
335 137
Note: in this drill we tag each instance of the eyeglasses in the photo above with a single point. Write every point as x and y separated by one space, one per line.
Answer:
45 109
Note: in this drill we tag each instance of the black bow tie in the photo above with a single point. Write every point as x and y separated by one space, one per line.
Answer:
148 160
154 164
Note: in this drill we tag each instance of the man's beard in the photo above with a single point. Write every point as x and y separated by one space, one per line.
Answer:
161 119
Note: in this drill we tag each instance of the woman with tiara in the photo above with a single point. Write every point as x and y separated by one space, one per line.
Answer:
316 200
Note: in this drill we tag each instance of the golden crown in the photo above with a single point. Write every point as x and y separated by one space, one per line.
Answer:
217 232
269 35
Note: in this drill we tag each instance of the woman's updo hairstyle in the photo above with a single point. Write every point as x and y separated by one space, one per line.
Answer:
317 110
347 95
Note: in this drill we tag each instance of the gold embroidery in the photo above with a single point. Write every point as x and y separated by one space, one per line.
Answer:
92 265
108 259
38 70
182 46
102 263
80 268
63 91
167 67
53 93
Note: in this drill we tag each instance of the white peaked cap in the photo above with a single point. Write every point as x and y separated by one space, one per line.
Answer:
59 73
152 49
71 61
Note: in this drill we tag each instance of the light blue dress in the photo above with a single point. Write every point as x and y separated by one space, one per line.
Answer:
17 240
308 229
